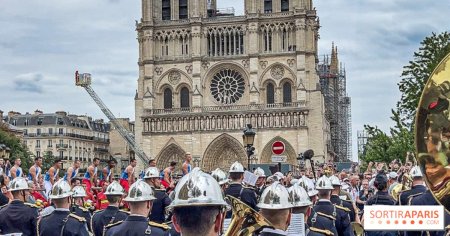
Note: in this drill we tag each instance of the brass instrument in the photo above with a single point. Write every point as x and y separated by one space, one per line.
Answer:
432 132
245 221
405 185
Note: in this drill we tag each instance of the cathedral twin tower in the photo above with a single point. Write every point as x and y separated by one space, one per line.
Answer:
205 73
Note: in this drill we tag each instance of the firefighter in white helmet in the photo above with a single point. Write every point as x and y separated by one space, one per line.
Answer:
162 200
237 190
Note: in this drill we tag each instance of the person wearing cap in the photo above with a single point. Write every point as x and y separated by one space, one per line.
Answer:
77 207
276 207
157 214
140 199
61 221
198 206
18 216
325 207
221 177
301 208
261 181
111 214
340 203
418 186
392 176
239 191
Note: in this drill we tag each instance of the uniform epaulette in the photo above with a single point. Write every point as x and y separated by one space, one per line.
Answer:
126 212
30 205
349 201
248 187
410 197
325 215
84 209
79 218
159 189
162 226
114 224
1 207
342 208
322 231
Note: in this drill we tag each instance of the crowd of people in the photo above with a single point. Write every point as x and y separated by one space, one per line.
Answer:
312 201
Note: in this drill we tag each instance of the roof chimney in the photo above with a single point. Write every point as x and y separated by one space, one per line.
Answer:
61 113
38 112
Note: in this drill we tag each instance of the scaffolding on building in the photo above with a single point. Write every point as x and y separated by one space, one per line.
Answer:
362 136
337 105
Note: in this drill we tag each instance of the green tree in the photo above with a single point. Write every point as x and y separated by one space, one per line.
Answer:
17 148
47 160
415 75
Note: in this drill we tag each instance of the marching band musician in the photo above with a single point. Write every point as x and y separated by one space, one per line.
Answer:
198 206
336 200
61 221
321 224
418 186
261 181
140 198
324 206
237 190
18 217
111 214
157 214
77 207
90 177
221 177
276 207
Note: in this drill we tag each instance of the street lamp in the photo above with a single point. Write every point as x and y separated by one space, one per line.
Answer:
249 138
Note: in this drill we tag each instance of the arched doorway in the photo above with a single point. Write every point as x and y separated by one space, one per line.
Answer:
222 152
171 152
266 154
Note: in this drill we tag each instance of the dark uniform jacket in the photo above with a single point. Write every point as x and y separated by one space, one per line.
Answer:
319 223
102 218
246 195
18 217
82 212
426 198
342 217
136 226
159 205
381 198
312 231
272 232
62 222
403 198
336 200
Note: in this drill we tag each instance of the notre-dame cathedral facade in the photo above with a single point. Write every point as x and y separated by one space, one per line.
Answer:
204 74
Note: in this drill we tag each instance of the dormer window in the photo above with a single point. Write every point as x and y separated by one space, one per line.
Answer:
39 122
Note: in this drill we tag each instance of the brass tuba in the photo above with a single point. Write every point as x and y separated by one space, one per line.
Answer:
432 134
245 221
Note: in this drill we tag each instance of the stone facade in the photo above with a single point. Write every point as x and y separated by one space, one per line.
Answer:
204 75
67 137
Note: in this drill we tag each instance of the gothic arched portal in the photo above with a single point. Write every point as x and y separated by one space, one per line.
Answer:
171 152
266 154
223 151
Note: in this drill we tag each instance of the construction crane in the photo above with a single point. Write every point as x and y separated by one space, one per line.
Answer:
84 80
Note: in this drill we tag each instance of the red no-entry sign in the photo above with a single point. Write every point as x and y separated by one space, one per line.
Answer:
277 147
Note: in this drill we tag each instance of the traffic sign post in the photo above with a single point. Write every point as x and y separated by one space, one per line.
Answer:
278 148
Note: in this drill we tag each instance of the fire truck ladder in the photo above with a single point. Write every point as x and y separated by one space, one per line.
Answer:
84 80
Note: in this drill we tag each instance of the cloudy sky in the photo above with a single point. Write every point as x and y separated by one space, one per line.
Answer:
42 43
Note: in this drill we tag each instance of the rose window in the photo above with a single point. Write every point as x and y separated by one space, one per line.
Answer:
227 86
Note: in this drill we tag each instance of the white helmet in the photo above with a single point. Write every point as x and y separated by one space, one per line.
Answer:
335 180
416 172
237 168
324 183
275 197
114 189
220 176
279 175
78 191
139 192
151 172
197 189
298 195
18 183
60 189
294 181
312 192
259 172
